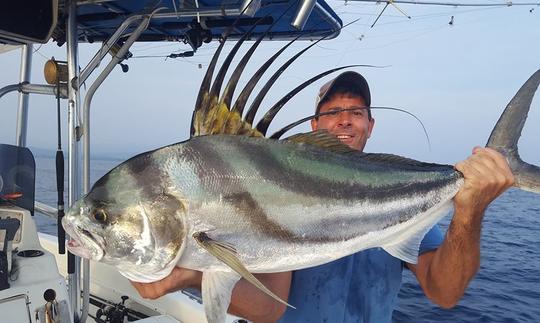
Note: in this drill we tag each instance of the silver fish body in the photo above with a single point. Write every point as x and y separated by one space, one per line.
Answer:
284 206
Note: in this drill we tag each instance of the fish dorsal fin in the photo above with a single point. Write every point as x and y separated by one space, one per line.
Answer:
218 119
322 139
391 160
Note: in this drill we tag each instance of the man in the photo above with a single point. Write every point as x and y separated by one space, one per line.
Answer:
363 287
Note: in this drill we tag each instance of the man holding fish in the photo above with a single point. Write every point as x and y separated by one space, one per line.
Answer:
363 287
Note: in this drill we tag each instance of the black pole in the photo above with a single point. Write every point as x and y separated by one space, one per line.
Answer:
60 177
70 263
60 189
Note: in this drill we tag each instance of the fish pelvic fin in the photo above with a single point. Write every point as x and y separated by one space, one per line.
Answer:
505 135
226 253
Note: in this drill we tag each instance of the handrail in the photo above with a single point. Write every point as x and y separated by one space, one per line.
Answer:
22 109
90 94
86 135
28 88
48 210
9 88
102 52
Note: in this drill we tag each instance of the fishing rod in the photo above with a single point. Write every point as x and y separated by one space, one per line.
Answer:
60 177
56 73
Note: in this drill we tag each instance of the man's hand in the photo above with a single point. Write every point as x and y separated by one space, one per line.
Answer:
179 278
487 175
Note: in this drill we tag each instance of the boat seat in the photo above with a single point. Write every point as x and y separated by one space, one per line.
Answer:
8 228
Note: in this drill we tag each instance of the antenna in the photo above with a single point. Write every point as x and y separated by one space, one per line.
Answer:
389 2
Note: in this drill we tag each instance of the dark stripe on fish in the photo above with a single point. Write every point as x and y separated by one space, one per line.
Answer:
148 174
208 163
144 171
246 206
273 170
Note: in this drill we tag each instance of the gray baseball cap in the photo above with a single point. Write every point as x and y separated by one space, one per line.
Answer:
350 81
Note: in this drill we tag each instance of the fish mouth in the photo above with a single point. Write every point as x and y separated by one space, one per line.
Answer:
84 244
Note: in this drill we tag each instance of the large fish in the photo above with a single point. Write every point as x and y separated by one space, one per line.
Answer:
229 202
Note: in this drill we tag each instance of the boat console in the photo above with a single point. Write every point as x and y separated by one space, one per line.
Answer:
31 288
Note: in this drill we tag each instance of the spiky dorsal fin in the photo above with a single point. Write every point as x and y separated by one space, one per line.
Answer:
401 162
213 115
322 139
218 119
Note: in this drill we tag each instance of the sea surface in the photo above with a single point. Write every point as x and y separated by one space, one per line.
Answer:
506 289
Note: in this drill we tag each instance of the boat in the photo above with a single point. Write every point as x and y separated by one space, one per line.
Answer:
38 281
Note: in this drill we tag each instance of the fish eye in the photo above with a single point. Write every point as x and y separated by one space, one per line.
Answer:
100 216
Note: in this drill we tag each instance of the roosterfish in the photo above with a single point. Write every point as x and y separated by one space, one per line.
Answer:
232 201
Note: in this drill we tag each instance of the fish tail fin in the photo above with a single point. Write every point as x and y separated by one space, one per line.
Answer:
505 135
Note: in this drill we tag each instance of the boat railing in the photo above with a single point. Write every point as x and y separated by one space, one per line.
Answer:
28 88
47 210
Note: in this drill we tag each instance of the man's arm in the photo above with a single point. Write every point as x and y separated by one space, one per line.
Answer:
445 273
247 301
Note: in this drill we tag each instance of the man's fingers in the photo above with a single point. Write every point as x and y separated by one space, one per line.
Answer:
501 161
486 169
498 165
485 160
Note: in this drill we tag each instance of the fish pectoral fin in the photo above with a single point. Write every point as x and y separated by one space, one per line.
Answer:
216 289
226 253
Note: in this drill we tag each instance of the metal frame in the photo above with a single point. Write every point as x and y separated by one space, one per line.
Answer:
22 110
28 88
74 186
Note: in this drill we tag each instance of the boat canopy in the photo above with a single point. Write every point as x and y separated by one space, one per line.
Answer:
191 21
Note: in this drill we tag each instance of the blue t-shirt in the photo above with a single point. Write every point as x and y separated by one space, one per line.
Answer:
362 287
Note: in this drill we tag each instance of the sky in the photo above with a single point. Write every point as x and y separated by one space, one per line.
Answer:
456 78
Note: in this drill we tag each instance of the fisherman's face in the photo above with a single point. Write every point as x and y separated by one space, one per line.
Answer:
353 128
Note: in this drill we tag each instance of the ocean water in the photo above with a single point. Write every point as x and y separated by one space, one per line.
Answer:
506 289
